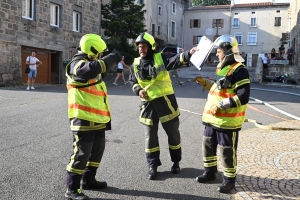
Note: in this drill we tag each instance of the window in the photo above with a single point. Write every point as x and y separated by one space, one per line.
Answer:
236 23
140 1
277 21
173 29
253 22
218 23
239 37
174 7
252 38
196 39
76 21
278 11
54 15
159 10
153 30
253 12
158 30
195 23
236 13
27 9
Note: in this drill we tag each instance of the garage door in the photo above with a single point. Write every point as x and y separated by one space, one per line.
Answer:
43 71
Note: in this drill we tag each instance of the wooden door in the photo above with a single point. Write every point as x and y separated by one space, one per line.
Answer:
43 71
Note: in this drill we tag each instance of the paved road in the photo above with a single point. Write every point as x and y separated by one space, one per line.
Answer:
36 145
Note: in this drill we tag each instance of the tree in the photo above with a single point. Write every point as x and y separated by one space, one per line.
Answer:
123 20
210 2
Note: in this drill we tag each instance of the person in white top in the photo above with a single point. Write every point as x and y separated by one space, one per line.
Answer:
121 65
265 61
33 63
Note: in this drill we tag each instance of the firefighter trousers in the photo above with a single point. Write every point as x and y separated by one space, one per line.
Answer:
88 149
227 141
152 148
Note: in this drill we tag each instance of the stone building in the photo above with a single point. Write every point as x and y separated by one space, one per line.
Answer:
51 27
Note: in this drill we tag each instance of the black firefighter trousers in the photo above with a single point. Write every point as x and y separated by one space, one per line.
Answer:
152 144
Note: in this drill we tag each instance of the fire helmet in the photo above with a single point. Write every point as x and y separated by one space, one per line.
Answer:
92 45
146 38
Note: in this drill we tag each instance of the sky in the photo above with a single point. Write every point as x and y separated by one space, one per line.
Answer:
258 1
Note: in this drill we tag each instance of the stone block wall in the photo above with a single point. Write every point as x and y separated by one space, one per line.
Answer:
16 31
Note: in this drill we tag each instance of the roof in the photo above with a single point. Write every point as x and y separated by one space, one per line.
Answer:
246 5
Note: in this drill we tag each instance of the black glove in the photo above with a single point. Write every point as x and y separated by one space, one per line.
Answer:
118 56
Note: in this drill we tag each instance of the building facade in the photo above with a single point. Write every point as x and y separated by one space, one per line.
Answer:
258 27
51 27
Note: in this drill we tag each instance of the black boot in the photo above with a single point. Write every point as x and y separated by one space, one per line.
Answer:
226 187
205 177
75 195
93 184
175 169
152 173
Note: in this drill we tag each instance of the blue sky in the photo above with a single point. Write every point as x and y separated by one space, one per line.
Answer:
258 1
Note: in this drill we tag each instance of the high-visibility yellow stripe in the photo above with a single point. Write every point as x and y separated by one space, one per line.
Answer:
152 150
175 147
76 67
209 158
93 164
210 164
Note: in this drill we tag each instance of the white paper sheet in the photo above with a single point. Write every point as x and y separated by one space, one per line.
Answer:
204 47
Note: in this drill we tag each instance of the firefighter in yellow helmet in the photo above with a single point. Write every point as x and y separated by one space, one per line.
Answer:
150 80
224 112
89 113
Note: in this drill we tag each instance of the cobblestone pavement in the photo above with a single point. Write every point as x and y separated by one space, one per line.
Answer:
265 170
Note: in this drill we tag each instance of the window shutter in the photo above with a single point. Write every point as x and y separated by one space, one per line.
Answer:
191 23
214 22
222 23
199 23
194 39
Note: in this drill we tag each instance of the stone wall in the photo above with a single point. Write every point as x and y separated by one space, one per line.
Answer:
16 31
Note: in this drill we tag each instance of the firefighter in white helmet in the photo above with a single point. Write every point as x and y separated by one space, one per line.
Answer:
89 113
224 112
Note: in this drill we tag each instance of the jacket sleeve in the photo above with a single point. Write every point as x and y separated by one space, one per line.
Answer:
90 69
174 61
241 82
133 82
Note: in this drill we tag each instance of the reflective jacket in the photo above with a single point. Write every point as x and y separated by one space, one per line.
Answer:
158 86
87 100
231 118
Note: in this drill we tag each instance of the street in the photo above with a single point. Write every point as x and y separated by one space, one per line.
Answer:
36 144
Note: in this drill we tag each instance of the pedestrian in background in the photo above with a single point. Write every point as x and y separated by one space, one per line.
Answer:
281 51
265 61
120 73
33 63
224 113
273 53
89 114
290 54
150 80
175 73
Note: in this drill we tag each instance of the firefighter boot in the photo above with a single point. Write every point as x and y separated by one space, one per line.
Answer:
89 181
75 195
226 187
205 177
152 173
175 169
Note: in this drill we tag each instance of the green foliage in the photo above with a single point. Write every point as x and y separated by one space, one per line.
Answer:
122 20
210 2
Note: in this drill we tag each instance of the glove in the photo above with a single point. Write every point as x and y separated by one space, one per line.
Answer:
203 82
118 56
214 108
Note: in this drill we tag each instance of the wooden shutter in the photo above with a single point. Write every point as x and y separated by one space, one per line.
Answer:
199 23
194 39
191 23
214 22
222 23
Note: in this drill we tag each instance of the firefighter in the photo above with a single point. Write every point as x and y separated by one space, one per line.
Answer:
89 114
224 112
150 80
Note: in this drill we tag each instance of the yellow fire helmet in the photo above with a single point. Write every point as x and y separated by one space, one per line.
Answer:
92 45
145 38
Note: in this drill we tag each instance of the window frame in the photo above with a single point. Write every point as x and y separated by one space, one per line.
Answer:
31 5
78 20
173 7
248 38
278 21
238 24
57 16
159 11
158 30
173 29
239 34
255 25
